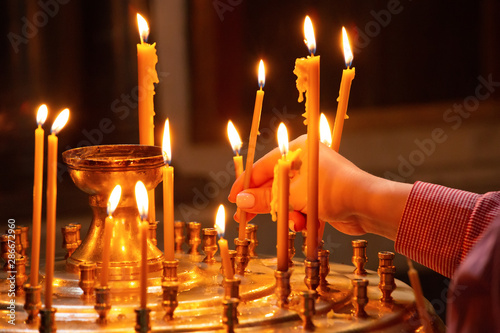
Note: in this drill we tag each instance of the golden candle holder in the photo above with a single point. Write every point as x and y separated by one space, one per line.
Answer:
48 320
232 257
170 270
251 234
311 278
304 242
307 309
324 269
70 239
102 303
20 274
142 322
387 284
32 302
179 235
283 288
25 243
242 257
96 170
231 287
359 258
360 297
385 259
230 314
209 245
153 226
291 247
4 246
17 239
169 300
87 278
194 237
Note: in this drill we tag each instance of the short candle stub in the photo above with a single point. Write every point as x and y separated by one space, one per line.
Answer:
324 269
169 302
230 314
283 288
307 309
231 288
87 278
359 258
47 320
194 239
291 247
179 235
170 270
33 302
102 303
312 274
143 323
251 234
209 245
387 284
242 257
360 297
152 232
385 259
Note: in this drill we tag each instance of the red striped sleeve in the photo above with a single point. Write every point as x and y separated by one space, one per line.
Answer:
440 225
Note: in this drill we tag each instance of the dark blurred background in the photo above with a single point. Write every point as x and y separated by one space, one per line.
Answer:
419 65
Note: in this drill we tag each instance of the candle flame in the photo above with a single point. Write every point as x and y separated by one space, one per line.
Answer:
262 74
41 115
167 151
347 48
143 28
220 221
283 139
141 197
234 137
114 199
60 121
325 133
310 40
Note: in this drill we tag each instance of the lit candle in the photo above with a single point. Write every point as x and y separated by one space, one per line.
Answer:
141 196
254 131
50 251
109 223
147 77
325 134
220 226
168 196
345 88
307 71
283 199
235 140
37 194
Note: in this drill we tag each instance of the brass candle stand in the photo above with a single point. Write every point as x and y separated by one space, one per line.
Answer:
232 257
48 320
251 234
87 279
32 302
20 274
143 321
25 244
311 278
307 309
385 259
179 236
153 226
283 288
170 270
71 238
169 300
291 247
324 269
230 314
360 297
387 284
231 287
242 257
194 237
209 245
102 303
359 258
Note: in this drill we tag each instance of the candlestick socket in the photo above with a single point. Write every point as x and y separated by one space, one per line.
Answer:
291 247
179 235
307 309
102 303
170 302
304 242
360 297
153 226
170 270
25 243
16 233
194 237
359 258
324 269
142 321
385 259
242 257
232 258
4 246
20 274
33 302
283 288
209 245
231 288
312 274
387 284
70 239
230 314
87 278
47 320
251 234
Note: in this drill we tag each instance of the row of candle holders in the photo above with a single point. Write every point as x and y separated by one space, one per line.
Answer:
316 273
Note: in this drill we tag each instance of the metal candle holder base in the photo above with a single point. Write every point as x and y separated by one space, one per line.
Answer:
170 302
387 284
283 288
251 234
308 309
230 314
360 297
47 320
170 270
209 245
312 274
385 259
87 279
33 302
142 321
231 288
153 227
242 259
291 247
102 303
359 258
179 235
20 273
194 237
324 269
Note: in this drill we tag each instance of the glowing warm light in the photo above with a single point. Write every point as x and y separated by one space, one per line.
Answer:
123 248
141 197
167 152
41 115
143 28
325 133
114 199
234 137
347 48
220 220
60 121
262 74
309 35
283 139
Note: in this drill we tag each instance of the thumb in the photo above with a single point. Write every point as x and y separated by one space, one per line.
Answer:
255 200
